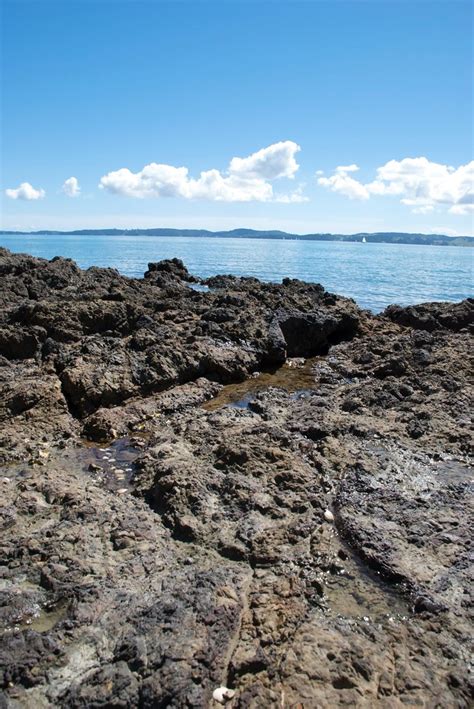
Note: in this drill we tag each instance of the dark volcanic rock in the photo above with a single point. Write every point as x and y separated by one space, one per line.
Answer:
306 547
175 267
110 338
432 316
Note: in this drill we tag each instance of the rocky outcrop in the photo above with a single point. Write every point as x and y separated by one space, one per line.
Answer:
434 316
173 522
111 338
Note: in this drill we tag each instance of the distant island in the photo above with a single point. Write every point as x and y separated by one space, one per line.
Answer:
389 237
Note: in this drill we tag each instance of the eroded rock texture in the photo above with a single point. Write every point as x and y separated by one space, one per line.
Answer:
165 530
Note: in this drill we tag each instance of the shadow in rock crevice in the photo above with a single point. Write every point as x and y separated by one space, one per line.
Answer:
306 335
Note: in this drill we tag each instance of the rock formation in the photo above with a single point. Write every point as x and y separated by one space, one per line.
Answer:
179 530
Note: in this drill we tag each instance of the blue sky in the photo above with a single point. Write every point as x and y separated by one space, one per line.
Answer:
354 116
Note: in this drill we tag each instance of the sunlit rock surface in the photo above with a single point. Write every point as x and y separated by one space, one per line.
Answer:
255 487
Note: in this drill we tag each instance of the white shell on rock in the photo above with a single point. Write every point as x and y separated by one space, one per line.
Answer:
328 516
222 694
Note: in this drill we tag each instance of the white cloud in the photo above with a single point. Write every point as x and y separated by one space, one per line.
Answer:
347 168
278 160
465 204
419 183
343 183
295 197
25 191
71 187
247 179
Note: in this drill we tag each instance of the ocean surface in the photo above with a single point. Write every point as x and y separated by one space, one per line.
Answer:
375 275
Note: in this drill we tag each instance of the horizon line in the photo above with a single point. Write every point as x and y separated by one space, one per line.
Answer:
105 230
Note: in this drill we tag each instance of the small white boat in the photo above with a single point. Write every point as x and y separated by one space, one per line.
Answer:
364 240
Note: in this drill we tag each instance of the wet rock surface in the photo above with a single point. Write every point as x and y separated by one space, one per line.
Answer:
174 522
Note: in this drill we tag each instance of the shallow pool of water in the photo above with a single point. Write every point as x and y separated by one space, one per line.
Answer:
295 376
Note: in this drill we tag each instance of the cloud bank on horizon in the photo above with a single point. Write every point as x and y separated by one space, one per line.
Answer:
246 179
419 183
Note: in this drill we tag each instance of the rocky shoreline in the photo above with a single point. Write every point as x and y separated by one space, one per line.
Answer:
228 483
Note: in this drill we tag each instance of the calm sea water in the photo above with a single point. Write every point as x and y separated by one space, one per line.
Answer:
375 275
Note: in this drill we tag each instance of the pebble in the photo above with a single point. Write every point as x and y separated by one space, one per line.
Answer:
328 516
223 694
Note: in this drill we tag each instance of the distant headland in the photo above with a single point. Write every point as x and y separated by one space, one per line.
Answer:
388 237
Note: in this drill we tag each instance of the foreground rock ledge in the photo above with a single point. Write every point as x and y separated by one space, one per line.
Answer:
187 546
